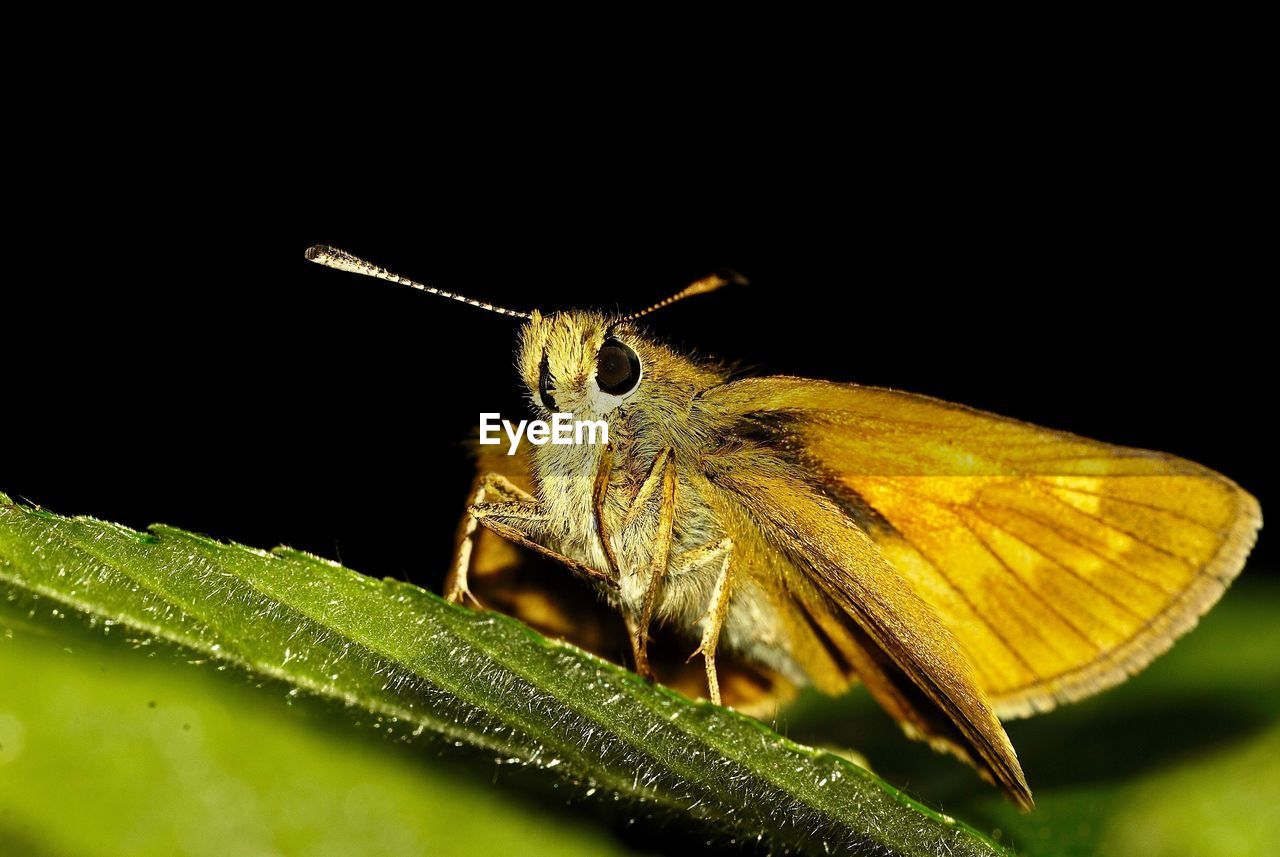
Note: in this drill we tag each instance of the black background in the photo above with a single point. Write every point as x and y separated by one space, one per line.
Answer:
171 356
1065 237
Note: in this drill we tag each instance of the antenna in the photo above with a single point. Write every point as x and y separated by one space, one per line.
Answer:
332 257
697 287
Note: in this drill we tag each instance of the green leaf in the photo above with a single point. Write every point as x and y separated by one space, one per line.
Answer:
429 671
1182 760
106 751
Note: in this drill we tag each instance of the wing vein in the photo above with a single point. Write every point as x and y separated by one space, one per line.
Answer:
1089 549
1126 500
1069 570
964 596
1022 583
1193 564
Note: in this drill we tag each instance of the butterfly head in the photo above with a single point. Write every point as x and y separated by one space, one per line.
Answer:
584 363
580 362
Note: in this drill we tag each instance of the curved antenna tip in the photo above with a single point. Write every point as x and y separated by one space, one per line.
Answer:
699 287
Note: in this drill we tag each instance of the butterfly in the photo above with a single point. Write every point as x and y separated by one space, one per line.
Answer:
963 566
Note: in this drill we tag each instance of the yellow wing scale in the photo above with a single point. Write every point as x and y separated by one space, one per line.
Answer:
1061 564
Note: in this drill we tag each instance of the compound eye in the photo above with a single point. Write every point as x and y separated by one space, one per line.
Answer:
617 368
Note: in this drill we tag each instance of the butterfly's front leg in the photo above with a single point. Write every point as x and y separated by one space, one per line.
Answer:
650 521
498 505
645 529
487 487
656 499
719 555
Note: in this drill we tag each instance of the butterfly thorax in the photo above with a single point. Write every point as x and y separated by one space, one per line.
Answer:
558 361
664 416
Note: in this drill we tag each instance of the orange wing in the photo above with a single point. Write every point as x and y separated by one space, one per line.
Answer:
1061 565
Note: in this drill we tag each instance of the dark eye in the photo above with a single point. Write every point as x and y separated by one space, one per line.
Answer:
617 368
544 384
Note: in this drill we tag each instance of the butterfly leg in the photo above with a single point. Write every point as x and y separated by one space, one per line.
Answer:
717 610
599 492
520 519
490 485
658 489
639 637
649 521
517 517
